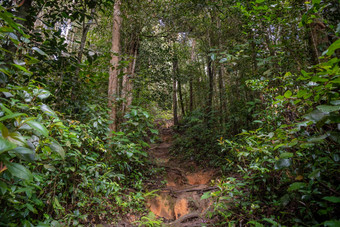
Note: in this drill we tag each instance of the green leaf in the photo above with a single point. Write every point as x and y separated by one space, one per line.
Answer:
328 108
43 94
332 48
286 155
288 94
25 153
39 51
146 114
283 163
5 145
332 223
301 93
154 131
295 186
3 187
47 110
316 1
255 223
317 139
274 223
223 60
6 17
259 1
6 29
134 113
49 167
335 102
22 68
17 139
206 195
4 131
55 146
38 127
316 115
332 199
10 116
19 171
31 208
315 174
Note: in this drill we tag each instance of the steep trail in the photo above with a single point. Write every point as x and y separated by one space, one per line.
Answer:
179 190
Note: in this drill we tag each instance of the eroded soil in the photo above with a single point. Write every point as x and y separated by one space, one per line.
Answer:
178 201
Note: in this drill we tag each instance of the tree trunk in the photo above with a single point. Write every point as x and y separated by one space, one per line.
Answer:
222 98
86 28
211 90
129 72
191 76
181 96
113 71
174 100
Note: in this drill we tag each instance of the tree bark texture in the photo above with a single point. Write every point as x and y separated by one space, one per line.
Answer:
129 72
211 90
114 71
174 88
191 76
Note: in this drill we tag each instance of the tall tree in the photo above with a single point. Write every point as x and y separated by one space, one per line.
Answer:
114 64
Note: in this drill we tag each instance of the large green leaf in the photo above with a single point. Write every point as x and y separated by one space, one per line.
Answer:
332 48
42 93
38 127
55 146
3 187
332 223
22 69
316 115
288 94
47 110
6 17
17 138
19 171
332 199
5 145
10 116
39 51
295 186
25 153
328 108
286 155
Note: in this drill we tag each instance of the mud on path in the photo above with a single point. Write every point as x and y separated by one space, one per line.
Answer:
178 199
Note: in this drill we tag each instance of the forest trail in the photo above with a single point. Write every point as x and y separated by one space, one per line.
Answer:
178 199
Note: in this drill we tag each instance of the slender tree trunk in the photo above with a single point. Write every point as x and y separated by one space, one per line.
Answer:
129 72
113 71
174 86
222 98
181 96
191 76
86 28
211 90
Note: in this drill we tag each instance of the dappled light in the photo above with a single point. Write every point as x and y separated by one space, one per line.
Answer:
169 113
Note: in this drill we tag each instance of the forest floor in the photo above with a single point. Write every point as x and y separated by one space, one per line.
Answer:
180 187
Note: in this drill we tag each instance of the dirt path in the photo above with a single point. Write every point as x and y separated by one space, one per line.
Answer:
178 199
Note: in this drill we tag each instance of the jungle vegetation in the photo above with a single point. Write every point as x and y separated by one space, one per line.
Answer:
251 86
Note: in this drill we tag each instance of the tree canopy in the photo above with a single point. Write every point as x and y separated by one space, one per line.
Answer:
252 88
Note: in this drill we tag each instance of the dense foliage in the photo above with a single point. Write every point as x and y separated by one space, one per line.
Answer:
253 87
